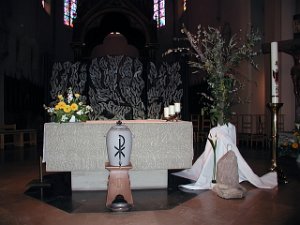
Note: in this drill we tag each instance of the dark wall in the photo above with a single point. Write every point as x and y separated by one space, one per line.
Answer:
31 40
27 51
23 103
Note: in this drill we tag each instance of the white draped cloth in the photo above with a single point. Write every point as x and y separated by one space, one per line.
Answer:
202 169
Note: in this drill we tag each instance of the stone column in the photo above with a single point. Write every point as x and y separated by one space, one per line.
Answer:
1 99
77 50
295 73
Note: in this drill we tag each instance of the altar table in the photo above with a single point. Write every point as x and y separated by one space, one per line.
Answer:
81 149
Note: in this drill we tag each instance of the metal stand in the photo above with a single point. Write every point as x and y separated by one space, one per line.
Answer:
119 186
40 183
172 118
274 107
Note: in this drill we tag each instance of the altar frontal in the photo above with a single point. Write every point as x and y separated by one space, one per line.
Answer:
80 148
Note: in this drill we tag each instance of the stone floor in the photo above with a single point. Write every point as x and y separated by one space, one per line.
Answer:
22 203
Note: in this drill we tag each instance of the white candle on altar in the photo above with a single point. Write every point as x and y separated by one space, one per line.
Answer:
166 112
177 107
274 73
172 110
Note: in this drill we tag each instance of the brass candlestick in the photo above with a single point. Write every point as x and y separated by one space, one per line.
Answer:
274 107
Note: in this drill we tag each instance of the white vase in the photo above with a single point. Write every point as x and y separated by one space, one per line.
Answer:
119 143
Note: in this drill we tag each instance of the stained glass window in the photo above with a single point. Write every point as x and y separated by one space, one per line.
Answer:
159 12
184 5
70 7
47 6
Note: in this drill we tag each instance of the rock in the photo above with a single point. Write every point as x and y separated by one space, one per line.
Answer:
227 185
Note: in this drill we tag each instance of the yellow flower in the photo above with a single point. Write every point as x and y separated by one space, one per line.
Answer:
61 105
295 145
68 106
67 109
74 107
60 97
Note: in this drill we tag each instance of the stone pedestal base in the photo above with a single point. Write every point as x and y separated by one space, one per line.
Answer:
118 183
139 179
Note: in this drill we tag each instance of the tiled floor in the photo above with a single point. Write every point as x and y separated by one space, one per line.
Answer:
20 166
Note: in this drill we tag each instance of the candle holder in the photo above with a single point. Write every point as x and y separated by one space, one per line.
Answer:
172 112
177 114
274 108
172 118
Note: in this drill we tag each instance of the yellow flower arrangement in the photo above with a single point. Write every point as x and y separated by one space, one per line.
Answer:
289 144
69 109
295 145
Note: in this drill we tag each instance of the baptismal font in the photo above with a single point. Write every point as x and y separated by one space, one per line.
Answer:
119 145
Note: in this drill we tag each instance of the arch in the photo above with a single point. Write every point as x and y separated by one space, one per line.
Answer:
102 19
114 44
113 22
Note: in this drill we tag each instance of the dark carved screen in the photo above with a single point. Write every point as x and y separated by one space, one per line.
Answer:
115 88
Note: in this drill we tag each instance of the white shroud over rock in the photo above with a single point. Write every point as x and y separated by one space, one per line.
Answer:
202 169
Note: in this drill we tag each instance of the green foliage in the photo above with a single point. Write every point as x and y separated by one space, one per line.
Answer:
220 59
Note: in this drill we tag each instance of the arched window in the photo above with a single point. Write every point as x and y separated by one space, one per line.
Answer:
47 6
159 12
70 7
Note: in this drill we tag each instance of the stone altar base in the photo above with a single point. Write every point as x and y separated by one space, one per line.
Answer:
80 148
97 180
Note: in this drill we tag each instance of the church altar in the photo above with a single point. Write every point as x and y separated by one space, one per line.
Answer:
81 149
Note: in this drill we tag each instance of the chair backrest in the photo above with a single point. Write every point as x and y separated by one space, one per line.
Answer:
235 121
205 124
8 127
260 124
280 123
246 124
195 119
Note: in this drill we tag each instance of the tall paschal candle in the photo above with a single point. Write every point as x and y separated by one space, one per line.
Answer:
274 72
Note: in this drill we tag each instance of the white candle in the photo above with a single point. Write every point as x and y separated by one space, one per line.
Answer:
177 107
172 110
166 112
274 73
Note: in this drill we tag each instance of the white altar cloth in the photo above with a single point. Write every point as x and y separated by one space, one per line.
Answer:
80 148
202 169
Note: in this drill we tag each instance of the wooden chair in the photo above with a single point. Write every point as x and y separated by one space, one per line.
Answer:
8 127
195 119
205 126
10 135
280 126
245 129
234 120
4 129
259 135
